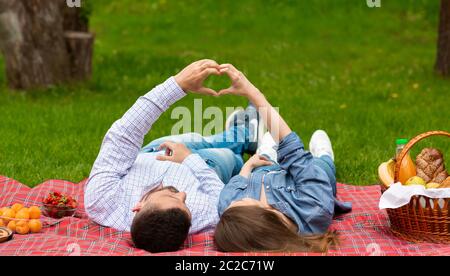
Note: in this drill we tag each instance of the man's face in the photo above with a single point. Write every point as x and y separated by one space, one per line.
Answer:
163 199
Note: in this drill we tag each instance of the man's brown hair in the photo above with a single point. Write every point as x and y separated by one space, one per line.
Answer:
160 230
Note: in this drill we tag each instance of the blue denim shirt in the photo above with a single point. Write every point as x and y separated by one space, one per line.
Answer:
295 186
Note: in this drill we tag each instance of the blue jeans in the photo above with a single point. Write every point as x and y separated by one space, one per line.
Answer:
222 152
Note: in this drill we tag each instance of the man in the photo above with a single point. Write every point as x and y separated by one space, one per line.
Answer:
161 197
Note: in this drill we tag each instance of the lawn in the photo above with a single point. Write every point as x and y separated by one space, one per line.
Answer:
364 75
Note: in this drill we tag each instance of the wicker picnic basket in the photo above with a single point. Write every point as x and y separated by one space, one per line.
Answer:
424 219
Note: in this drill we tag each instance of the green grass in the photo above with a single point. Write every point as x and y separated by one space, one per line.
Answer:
364 75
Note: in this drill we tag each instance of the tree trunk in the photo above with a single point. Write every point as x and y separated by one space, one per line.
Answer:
80 47
32 41
79 42
44 43
73 20
443 52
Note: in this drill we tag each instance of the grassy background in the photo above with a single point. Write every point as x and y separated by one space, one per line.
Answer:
365 75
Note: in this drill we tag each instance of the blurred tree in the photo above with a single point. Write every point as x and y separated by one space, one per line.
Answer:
42 43
78 40
76 19
443 52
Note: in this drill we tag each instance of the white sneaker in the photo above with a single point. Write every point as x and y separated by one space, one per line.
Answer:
235 118
268 147
320 144
250 119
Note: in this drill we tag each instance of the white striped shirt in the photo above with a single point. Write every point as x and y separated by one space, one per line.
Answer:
121 175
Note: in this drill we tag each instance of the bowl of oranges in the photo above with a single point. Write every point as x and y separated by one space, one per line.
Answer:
20 219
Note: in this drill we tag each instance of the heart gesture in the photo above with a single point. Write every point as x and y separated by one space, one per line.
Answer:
193 76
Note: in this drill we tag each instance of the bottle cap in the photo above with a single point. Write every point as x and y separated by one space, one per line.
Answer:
401 141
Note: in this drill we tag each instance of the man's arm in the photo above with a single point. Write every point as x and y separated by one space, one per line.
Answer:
123 141
121 146
204 174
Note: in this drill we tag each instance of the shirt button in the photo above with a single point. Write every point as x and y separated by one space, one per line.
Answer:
267 187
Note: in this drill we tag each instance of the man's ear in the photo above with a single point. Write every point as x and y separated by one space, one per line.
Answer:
138 207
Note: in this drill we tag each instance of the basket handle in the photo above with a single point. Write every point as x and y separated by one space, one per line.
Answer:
410 144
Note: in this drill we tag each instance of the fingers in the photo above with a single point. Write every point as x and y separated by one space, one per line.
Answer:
264 162
164 158
208 91
208 63
206 60
262 157
167 145
231 71
225 91
209 71
169 148
228 66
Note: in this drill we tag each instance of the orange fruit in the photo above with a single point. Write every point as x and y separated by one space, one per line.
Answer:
22 227
35 212
16 207
23 214
12 225
2 224
2 210
8 214
35 225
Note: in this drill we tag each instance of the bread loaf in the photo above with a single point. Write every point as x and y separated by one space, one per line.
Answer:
446 183
430 166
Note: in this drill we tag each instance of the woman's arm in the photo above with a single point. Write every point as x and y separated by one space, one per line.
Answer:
254 162
243 87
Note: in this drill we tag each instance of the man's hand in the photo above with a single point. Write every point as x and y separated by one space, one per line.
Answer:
240 85
193 76
175 152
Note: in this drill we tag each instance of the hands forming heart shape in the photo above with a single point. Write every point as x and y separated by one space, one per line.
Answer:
193 76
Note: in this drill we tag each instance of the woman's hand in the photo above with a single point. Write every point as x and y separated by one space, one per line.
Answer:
243 87
257 161
254 162
175 152
240 85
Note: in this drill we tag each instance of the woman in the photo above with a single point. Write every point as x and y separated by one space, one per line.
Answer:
283 200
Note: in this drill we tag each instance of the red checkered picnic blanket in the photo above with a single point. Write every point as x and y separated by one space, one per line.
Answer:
364 231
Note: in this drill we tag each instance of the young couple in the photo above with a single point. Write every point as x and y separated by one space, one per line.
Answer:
282 199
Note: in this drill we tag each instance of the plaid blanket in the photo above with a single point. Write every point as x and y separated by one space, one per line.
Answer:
364 231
